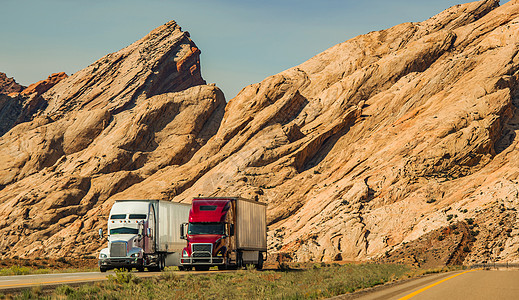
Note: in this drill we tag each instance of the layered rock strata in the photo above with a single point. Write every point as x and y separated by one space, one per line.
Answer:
386 140
376 142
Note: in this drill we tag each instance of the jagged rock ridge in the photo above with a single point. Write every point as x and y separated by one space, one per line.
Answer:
9 85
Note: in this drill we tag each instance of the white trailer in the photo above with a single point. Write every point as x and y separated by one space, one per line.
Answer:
143 234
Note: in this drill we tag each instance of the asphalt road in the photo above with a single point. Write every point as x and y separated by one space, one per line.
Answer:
18 282
472 284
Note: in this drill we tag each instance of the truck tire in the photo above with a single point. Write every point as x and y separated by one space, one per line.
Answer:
102 269
162 262
202 268
239 260
259 265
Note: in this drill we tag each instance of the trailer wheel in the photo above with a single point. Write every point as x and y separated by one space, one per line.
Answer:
162 262
259 266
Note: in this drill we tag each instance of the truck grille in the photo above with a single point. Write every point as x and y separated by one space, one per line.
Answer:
202 250
118 249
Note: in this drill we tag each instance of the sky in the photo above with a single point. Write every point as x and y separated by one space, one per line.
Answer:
242 41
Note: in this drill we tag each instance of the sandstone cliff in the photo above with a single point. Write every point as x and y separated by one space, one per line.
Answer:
387 140
376 142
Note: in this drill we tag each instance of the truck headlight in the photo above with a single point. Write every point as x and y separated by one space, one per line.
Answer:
184 253
135 255
102 255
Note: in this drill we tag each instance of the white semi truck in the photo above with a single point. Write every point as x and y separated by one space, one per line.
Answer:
143 234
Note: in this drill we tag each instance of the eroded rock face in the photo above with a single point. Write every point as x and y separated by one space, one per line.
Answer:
376 141
383 141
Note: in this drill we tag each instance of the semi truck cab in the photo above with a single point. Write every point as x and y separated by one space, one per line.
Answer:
141 234
224 232
129 233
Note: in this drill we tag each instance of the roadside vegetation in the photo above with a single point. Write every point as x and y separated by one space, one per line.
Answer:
20 266
22 270
316 282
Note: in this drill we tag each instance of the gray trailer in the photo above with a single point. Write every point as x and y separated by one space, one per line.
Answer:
250 229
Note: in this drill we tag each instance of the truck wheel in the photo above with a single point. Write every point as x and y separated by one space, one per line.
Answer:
239 261
259 266
140 269
202 268
162 262
102 269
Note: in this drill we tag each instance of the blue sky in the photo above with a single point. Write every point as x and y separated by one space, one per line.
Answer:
242 41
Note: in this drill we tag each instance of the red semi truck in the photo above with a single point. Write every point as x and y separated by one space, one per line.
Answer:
227 232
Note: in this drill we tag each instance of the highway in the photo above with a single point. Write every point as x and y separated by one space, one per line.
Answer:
18 282
470 284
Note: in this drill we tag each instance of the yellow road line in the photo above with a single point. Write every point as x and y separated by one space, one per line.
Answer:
434 284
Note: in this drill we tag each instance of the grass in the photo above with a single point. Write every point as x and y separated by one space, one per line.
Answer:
24 270
319 282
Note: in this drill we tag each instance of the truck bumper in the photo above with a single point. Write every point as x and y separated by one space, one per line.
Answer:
123 262
202 260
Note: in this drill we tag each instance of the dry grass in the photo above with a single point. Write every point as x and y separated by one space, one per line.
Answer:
318 282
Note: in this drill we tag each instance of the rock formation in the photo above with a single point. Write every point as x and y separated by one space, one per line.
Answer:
376 142
103 129
22 106
9 85
387 140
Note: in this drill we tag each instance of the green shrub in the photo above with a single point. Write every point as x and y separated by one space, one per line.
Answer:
122 277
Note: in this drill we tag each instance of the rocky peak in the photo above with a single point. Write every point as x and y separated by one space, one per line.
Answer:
9 85
42 86
21 106
165 60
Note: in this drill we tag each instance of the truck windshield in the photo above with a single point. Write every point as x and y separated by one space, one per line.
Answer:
117 217
124 230
137 216
206 228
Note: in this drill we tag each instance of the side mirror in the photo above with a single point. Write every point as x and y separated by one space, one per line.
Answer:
231 229
182 231
139 232
100 233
